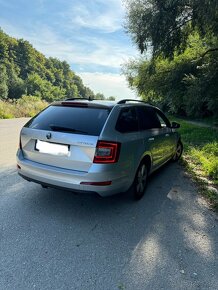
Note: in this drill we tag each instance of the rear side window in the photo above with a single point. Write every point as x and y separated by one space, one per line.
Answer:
76 120
127 121
148 118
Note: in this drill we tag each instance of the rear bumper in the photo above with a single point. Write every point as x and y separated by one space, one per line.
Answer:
70 180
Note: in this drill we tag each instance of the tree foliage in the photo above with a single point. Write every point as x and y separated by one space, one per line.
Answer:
181 38
186 85
26 71
165 25
3 83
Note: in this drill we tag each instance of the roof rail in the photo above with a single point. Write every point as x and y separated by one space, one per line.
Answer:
75 99
130 100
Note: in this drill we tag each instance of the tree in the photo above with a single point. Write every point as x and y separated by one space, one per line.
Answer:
29 72
99 96
3 82
111 98
16 87
39 87
164 26
24 58
181 68
185 85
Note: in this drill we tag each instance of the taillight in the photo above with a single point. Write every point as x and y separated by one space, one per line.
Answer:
20 144
107 152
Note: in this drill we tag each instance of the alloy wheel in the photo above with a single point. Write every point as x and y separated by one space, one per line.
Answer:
178 152
141 181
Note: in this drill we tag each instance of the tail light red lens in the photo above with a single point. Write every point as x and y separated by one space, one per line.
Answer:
107 152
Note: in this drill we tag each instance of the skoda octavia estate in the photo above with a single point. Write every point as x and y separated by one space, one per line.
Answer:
97 146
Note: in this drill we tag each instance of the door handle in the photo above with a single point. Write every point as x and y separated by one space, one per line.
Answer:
150 139
167 135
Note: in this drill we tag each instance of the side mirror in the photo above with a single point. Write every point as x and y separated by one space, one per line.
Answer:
175 125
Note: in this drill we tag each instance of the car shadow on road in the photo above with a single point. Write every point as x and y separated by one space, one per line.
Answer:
167 240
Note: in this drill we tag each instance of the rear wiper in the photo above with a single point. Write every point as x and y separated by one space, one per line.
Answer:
66 129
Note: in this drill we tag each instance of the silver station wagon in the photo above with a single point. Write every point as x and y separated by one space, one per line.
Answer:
97 146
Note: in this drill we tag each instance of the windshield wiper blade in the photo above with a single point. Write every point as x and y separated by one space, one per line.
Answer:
66 129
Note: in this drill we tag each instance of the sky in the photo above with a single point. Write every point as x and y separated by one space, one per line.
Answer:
89 35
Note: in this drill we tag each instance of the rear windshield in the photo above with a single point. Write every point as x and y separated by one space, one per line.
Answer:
88 121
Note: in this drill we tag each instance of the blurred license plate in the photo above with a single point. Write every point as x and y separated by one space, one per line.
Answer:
52 148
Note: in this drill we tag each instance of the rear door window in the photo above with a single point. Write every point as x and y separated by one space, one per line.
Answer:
127 121
88 121
148 118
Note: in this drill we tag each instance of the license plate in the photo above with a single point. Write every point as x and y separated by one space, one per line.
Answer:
52 148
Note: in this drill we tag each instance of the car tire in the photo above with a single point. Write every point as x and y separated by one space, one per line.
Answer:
140 181
178 153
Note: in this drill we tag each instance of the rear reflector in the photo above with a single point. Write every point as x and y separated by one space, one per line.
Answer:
20 144
107 152
103 183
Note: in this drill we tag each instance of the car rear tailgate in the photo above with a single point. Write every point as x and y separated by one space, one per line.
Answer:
81 149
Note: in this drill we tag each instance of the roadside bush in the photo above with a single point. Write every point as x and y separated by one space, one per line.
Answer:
207 160
211 148
201 148
26 106
29 106
6 110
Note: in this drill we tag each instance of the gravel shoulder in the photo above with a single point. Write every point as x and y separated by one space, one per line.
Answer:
9 140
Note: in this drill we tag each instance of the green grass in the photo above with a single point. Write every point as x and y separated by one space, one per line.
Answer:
201 156
211 121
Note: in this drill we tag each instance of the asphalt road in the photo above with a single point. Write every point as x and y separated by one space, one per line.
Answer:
52 239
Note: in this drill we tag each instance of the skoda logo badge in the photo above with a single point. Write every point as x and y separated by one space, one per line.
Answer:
48 135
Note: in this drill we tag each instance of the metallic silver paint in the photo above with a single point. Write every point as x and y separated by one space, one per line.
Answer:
69 172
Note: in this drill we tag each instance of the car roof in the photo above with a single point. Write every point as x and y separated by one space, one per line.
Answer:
85 103
101 103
